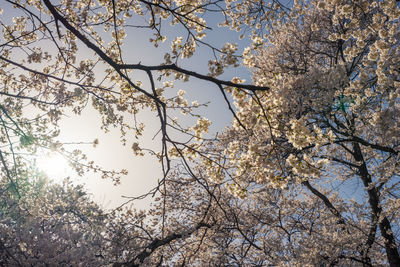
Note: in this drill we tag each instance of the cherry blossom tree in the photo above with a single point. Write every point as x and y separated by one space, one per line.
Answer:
58 225
276 227
329 119
46 73
321 115
51 225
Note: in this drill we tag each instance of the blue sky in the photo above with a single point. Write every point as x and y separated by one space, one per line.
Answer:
145 171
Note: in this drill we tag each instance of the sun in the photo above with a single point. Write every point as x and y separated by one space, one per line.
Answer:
54 165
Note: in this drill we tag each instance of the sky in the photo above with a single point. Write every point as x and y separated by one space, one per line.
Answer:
143 172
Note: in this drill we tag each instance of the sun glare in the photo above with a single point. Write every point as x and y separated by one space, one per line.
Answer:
54 165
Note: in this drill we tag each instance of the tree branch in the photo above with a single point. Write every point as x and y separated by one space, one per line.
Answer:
326 201
139 259
174 67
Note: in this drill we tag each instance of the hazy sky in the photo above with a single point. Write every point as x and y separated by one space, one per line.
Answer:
144 171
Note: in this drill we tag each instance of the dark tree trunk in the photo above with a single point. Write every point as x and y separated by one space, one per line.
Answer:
373 199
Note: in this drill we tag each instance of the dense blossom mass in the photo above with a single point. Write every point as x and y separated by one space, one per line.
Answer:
308 174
